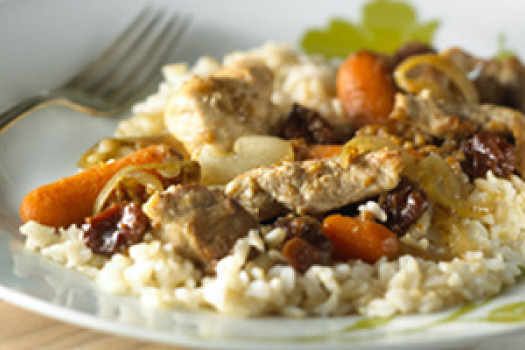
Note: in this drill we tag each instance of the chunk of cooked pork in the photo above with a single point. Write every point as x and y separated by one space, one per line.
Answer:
455 120
426 115
216 110
200 223
245 190
315 186
500 82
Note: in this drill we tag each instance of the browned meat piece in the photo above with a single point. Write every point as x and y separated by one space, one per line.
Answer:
453 120
217 110
316 186
425 114
201 224
245 190
500 82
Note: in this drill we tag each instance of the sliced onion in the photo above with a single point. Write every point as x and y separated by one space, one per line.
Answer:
441 185
189 168
444 65
248 152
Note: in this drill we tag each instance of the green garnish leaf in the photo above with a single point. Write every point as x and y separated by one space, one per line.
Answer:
385 25
503 51
334 42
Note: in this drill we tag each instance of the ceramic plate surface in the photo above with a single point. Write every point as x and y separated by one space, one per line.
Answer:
44 42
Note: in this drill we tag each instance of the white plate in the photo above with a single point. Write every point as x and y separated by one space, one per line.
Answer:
44 42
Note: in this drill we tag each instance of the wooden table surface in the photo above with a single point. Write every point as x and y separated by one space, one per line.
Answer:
23 330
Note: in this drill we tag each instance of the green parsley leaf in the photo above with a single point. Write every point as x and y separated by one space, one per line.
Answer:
503 51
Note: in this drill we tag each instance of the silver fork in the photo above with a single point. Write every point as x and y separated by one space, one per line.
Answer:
117 78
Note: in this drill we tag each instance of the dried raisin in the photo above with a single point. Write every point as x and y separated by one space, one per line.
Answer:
115 228
305 244
404 205
307 124
488 151
301 254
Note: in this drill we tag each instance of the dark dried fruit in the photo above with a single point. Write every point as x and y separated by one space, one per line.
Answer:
305 245
404 205
488 151
303 226
116 228
301 254
307 124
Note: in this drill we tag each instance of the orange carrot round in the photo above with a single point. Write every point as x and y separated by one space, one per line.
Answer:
357 239
70 199
365 88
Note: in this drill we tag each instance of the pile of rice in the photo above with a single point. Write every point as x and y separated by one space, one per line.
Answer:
247 286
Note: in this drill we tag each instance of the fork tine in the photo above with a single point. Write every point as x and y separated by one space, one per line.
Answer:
75 94
149 65
98 68
123 59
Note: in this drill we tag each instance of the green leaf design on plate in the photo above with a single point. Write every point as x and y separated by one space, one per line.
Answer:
514 312
369 323
385 25
463 310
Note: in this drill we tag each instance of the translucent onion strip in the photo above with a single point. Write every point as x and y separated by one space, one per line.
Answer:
442 64
149 180
442 186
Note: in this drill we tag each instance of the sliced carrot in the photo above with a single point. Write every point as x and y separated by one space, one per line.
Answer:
70 199
323 151
358 239
365 88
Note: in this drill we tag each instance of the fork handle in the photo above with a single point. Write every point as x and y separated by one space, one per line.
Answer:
22 108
